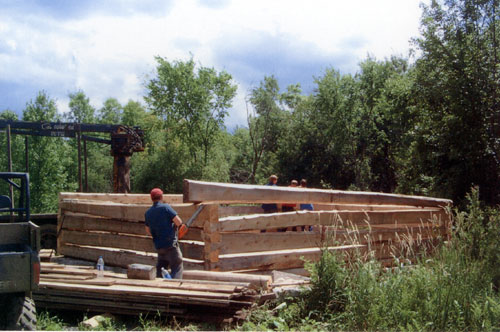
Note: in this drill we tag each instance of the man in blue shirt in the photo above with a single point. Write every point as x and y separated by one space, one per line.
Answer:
161 222
271 207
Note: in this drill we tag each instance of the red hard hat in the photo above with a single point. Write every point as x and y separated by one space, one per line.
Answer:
156 193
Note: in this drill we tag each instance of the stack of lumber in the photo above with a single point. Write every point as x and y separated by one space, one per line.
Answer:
79 288
385 225
112 226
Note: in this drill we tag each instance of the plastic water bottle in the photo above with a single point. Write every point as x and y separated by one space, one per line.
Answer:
100 267
165 274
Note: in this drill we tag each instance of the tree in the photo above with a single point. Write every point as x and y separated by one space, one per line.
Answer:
80 109
111 112
264 123
457 91
48 158
193 103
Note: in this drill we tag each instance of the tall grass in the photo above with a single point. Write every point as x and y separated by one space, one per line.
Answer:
454 289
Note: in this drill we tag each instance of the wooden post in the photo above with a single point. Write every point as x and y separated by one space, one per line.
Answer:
212 238
9 162
26 154
85 165
78 137
121 173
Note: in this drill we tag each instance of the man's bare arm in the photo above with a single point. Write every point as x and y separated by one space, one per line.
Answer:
148 231
177 221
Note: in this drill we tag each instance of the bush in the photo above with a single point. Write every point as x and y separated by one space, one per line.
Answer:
455 289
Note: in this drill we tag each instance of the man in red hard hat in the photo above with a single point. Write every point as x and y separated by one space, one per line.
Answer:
161 222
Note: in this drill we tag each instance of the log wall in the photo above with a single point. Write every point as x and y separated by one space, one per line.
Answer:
232 233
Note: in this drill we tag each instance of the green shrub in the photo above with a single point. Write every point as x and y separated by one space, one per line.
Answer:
49 322
454 289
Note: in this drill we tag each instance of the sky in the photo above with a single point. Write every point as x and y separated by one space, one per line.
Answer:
107 48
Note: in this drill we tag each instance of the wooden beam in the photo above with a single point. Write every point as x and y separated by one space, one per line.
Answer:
233 243
119 257
261 282
328 218
120 198
277 260
132 212
185 284
87 222
211 238
134 290
101 305
198 191
225 211
190 249
360 207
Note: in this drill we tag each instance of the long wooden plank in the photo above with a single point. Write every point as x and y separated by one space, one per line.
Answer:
87 222
235 210
190 249
74 296
232 243
360 207
64 276
262 282
100 305
132 212
199 191
121 198
118 257
277 260
134 298
184 284
137 290
326 218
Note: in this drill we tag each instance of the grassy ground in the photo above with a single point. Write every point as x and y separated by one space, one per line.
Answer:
59 320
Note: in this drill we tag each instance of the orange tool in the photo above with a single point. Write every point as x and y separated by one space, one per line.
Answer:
185 226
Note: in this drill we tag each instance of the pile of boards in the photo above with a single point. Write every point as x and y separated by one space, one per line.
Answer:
222 298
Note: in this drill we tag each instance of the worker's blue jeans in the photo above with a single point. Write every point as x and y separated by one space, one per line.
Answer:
170 257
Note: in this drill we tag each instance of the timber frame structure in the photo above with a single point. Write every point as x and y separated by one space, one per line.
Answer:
233 234
124 142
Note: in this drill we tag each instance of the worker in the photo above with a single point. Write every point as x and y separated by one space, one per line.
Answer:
161 223
271 207
288 207
306 206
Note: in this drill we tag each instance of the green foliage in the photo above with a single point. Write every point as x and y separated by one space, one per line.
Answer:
455 289
329 279
456 86
193 105
48 158
111 112
48 322
266 125
477 233
80 109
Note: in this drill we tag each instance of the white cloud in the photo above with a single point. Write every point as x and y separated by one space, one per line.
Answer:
110 56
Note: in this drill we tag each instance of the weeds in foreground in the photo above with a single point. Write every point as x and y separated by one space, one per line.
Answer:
49 322
454 289
64 320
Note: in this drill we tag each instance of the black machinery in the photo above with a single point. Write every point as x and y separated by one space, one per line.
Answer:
124 142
